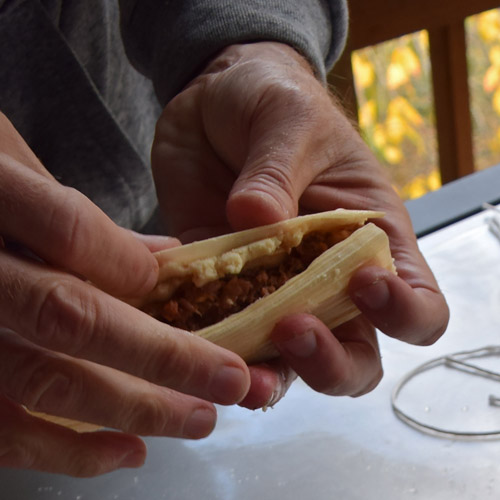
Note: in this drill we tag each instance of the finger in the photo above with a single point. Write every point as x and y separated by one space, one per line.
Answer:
277 132
13 145
417 315
279 165
346 362
64 314
269 383
27 442
420 314
64 228
410 307
191 180
156 242
55 384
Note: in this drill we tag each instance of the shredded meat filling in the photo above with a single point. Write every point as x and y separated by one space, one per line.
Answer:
193 308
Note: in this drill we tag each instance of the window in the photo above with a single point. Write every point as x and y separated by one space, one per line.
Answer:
396 113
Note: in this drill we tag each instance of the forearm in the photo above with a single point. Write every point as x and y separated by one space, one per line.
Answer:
170 44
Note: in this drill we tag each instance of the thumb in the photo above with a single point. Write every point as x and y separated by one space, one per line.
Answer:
271 181
272 116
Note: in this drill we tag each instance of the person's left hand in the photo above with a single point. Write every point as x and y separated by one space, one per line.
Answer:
256 139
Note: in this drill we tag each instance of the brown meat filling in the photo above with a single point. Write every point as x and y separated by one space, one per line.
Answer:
193 308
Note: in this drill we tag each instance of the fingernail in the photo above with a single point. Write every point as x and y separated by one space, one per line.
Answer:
133 460
374 296
301 346
200 423
278 393
229 385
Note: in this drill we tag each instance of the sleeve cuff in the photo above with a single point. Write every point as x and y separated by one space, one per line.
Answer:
173 46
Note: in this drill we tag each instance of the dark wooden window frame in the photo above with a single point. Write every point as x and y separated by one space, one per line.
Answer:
377 21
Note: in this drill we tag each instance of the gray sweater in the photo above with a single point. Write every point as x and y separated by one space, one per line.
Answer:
84 81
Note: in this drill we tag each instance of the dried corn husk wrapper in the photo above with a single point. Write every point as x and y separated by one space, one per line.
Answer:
74 425
320 290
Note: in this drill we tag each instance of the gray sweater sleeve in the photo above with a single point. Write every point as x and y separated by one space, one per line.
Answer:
170 41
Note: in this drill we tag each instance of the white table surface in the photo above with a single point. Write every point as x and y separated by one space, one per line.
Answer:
316 447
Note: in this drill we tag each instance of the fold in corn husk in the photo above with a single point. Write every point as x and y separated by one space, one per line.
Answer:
67 422
319 290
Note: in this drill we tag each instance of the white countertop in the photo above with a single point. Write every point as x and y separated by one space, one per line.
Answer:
316 447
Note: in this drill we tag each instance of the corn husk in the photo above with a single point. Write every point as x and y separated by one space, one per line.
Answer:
319 290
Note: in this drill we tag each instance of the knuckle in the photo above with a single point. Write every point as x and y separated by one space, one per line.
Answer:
150 417
280 92
274 173
86 464
14 452
65 317
66 224
175 365
177 372
47 386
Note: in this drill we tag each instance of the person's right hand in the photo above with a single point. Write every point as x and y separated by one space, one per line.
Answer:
70 349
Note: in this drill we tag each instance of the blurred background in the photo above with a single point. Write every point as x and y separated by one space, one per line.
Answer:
393 87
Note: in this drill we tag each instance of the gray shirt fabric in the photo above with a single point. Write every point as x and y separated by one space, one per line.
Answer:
86 97
158 34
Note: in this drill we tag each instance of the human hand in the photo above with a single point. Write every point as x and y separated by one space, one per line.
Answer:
256 139
70 349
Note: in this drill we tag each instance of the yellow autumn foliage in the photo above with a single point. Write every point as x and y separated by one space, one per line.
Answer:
396 115
379 136
434 180
494 55
416 188
367 114
494 142
406 57
491 78
364 71
392 154
404 65
396 128
496 101
400 106
396 76
421 185
488 25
